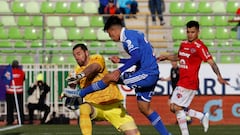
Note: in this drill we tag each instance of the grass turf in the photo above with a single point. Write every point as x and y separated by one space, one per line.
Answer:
109 130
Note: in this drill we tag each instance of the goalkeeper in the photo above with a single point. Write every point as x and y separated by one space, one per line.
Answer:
101 105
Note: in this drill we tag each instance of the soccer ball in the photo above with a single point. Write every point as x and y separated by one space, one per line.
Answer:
189 119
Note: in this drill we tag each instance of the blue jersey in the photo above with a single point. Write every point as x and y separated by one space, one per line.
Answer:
134 40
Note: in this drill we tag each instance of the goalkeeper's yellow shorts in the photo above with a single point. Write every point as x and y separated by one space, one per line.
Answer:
115 114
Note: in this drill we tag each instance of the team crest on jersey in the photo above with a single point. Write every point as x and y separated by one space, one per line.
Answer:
192 50
179 95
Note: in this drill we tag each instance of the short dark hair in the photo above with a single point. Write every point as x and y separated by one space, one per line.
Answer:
81 45
15 64
112 20
191 24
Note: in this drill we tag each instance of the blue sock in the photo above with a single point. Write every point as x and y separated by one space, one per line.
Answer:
155 119
99 85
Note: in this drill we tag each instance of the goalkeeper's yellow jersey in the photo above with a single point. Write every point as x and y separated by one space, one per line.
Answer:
109 95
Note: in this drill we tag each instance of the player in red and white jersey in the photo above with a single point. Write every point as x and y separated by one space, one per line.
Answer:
191 54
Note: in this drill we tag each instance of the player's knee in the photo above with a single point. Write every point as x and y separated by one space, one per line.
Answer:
106 79
132 132
172 109
144 111
138 133
129 128
85 109
175 108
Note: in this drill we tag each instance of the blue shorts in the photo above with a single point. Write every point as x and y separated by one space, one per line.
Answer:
139 80
144 84
144 96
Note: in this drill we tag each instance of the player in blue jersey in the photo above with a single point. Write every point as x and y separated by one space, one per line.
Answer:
143 79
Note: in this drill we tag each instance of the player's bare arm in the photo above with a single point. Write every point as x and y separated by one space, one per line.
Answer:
112 77
165 79
217 72
114 59
92 70
171 57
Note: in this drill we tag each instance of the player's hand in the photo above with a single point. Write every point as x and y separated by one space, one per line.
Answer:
162 79
222 81
71 79
114 59
71 76
115 75
161 58
75 77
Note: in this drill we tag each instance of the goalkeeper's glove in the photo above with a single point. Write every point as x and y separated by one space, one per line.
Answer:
75 77
80 76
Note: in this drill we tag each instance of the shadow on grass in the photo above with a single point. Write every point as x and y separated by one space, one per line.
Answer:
12 133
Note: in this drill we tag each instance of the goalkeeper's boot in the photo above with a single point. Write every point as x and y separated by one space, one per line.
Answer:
71 93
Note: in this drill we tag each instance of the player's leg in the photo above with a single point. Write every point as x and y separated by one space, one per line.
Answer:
143 101
85 119
129 129
144 85
203 117
116 114
181 98
99 85
181 118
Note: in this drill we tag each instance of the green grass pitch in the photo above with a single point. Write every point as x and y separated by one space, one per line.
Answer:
109 130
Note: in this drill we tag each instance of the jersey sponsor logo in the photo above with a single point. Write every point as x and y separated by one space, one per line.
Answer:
182 64
184 54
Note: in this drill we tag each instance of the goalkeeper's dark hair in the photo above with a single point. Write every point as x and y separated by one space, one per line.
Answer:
191 24
81 45
112 20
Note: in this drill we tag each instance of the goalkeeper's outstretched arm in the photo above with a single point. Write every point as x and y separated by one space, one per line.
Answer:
90 71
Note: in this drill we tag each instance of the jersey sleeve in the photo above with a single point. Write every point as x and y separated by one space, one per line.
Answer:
204 53
132 42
